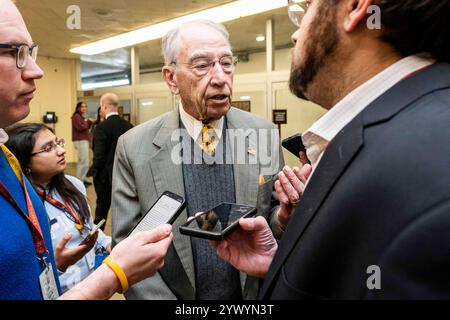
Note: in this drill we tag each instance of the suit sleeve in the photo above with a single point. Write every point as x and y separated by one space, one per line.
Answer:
416 265
100 148
125 202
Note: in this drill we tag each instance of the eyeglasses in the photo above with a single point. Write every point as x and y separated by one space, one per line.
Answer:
51 146
202 66
297 10
23 51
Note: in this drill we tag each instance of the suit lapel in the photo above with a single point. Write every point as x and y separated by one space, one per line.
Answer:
245 174
342 150
168 175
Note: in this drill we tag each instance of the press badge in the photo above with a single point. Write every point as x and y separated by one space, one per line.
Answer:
49 289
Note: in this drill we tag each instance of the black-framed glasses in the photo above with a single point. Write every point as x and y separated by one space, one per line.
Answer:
23 52
51 146
297 10
203 65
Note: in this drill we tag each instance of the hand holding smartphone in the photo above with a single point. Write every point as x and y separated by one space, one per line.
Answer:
165 210
294 145
93 232
218 222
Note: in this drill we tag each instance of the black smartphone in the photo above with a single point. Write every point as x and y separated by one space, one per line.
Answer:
294 144
165 210
218 222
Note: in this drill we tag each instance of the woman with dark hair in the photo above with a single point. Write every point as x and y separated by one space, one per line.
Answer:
42 158
80 138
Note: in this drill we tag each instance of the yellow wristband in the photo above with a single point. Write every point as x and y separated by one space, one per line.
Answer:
110 262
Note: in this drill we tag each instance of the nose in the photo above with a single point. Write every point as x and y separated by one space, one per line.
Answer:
294 36
218 76
60 150
32 71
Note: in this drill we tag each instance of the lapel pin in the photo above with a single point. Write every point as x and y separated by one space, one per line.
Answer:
252 151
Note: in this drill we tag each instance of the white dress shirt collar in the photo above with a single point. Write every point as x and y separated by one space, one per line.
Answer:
3 137
114 113
194 126
351 105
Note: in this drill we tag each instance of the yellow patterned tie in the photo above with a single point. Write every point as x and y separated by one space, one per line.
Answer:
208 140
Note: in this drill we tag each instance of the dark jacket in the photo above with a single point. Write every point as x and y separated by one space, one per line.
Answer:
380 196
105 140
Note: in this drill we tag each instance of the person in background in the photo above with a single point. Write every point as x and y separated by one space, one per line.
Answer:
42 156
100 119
80 138
27 259
105 140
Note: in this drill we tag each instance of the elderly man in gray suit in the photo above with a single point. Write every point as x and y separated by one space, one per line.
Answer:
206 151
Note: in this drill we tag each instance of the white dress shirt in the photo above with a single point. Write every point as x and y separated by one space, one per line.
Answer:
317 137
114 113
3 136
194 127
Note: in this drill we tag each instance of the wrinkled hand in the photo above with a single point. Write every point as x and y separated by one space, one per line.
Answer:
142 254
289 188
65 257
250 248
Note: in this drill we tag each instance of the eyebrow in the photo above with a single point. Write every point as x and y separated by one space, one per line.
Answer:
16 43
47 143
202 55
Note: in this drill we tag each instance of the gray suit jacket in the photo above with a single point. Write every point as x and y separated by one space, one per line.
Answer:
148 162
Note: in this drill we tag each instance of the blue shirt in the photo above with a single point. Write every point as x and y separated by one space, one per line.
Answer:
60 224
19 265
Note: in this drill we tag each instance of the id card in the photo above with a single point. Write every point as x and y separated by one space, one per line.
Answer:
47 280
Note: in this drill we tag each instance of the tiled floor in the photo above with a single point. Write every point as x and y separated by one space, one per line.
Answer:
71 170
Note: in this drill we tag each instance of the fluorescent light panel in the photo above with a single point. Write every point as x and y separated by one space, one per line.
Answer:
227 12
105 84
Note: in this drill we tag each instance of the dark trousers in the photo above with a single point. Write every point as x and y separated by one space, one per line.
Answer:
103 190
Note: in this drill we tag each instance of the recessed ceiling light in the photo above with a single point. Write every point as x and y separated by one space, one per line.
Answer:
105 13
260 38
227 12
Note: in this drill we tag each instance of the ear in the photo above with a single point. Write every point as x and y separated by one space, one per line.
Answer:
168 73
356 13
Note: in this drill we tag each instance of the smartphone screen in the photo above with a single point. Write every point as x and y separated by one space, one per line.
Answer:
217 222
165 210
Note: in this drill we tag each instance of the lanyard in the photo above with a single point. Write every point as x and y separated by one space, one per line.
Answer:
31 218
67 209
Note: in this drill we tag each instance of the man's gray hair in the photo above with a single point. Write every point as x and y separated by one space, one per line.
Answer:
171 43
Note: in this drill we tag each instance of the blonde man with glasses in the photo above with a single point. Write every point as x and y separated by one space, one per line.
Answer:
28 262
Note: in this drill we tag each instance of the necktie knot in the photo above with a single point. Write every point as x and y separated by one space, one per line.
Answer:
208 139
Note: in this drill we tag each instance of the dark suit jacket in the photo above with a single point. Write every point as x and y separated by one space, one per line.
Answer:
379 196
105 141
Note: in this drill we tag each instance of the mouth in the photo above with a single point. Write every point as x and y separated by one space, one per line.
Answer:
62 161
219 97
29 93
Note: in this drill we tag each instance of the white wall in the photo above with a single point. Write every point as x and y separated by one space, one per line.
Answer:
56 91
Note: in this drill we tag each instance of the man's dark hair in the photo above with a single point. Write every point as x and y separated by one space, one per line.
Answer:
417 26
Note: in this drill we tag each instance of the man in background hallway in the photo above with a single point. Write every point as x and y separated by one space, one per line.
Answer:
105 140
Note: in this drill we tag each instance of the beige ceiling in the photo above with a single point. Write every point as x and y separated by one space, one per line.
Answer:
46 20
